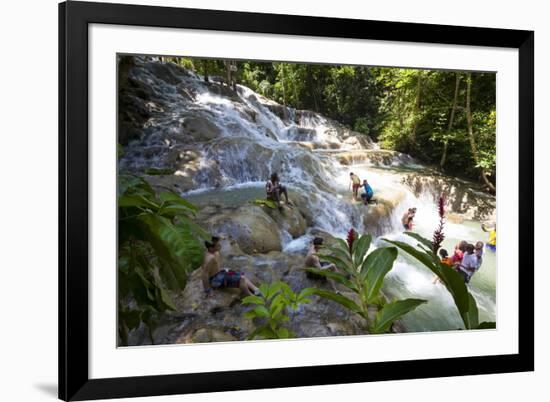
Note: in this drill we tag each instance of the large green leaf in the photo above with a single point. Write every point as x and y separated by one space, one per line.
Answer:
344 301
376 266
419 255
360 248
170 245
341 265
471 316
455 285
487 325
174 199
138 201
393 311
333 275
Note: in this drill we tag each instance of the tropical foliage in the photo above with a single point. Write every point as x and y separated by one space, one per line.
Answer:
453 281
158 247
271 308
364 275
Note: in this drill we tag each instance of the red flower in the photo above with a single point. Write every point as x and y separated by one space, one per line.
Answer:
351 238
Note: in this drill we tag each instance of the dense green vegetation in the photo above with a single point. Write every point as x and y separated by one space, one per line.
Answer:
158 247
444 118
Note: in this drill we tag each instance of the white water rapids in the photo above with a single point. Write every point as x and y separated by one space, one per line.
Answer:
313 156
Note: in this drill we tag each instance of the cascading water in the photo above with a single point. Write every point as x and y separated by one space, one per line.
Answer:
251 137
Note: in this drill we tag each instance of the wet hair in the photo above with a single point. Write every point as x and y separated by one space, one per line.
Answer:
365 181
212 243
318 241
443 253
351 173
470 248
479 244
462 245
274 177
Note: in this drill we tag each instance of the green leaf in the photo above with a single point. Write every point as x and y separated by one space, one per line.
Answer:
419 255
361 246
374 270
268 203
253 300
487 325
171 246
471 317
173 198
333 275
283 333
340 264
261 311
137 201
344 301
455 285
393 311
421 239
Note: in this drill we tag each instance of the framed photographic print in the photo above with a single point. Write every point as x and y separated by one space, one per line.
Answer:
257 200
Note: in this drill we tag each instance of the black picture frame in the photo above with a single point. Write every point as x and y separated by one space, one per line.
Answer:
74 18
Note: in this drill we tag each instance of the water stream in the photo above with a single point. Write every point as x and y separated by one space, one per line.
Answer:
313 156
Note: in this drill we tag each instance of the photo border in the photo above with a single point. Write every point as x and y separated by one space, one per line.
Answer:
74 18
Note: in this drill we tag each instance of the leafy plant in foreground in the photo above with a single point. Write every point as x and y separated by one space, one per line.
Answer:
158 245
365 276
272 307
426 253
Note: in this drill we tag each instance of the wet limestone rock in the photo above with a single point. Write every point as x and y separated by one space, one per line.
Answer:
249 226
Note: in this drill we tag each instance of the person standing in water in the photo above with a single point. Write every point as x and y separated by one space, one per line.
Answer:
274 189
492 243
214 277
355 183
367 195
407 219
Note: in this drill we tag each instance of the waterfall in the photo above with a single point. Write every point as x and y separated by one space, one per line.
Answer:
217 140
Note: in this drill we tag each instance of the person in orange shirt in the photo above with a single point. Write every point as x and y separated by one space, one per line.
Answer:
445 259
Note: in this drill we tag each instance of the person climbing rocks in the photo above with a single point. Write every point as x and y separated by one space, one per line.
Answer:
407 219
469 264
274 189
214 277
355 183
367 195
492 243
313 261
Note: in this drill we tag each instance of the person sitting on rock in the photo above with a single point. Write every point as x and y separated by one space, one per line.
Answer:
354 184
274 189
367 195
313 261
214 277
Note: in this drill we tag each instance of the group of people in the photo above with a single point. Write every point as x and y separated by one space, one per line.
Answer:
355 184
466 259
407 219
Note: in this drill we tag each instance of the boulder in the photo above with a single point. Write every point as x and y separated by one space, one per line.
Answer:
200 128
249 226
289 219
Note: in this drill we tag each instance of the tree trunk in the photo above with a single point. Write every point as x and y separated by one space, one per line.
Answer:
471 134
451 121
205 68
416 107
